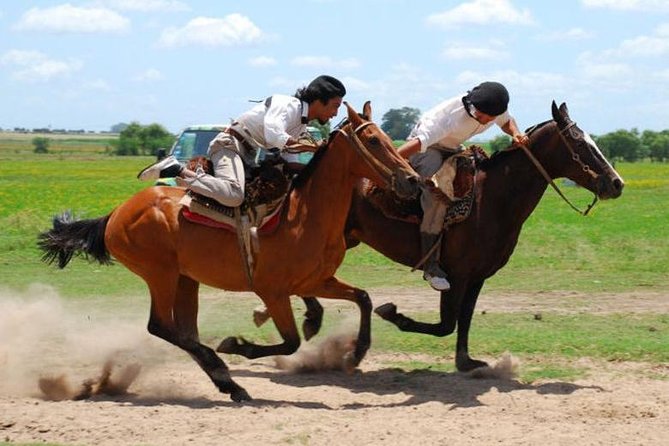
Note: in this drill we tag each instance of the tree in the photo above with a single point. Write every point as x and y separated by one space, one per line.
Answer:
118 128
500 142
397 123
657 144
621 144
136 139
41 144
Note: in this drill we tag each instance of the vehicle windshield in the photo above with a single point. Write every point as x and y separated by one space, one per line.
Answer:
193 143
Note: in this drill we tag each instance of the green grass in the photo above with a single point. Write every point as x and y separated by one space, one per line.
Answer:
622 246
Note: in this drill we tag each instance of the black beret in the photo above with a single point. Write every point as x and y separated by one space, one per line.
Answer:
327 85
490 98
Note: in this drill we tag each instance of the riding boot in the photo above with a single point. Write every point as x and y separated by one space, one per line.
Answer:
432 272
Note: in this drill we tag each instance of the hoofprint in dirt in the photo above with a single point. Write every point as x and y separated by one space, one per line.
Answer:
380 404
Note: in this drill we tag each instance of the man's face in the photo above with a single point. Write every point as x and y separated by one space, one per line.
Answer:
326 111
483 118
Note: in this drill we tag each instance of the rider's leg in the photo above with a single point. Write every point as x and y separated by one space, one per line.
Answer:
227 184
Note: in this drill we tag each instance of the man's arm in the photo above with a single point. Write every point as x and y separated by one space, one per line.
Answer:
511 128
409 148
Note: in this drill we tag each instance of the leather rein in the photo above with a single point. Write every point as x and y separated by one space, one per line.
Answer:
576 158
385 173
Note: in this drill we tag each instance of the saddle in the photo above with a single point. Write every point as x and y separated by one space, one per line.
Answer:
265 194
453 185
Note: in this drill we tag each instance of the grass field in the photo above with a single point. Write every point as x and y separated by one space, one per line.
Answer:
622 246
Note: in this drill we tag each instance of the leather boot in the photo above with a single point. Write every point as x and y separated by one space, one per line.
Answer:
432 272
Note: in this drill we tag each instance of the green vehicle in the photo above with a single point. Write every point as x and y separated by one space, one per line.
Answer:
194 141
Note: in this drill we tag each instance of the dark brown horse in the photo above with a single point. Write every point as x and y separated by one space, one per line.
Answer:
149 235
508 188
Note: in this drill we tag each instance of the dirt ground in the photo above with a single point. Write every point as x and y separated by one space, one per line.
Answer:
171 402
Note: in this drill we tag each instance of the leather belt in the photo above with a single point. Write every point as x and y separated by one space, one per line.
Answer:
238 136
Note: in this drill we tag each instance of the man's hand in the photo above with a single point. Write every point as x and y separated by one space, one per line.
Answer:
520 139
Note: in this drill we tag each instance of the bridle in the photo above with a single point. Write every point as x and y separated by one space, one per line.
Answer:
574 156
384 172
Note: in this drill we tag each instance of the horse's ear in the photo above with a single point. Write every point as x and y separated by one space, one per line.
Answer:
560 114
555 112
353 116
367 110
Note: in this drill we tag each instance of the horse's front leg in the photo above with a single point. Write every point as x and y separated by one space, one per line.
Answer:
280 310
335 289
463 361
449 309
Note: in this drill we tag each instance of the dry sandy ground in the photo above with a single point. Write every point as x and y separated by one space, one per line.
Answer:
173 403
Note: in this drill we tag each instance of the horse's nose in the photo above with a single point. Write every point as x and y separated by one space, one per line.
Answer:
405 183
610 186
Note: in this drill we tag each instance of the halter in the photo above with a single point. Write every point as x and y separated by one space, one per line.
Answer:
574 156
385 173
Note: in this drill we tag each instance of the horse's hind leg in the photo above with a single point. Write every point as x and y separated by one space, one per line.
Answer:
313 317
174 319
280 311
449 311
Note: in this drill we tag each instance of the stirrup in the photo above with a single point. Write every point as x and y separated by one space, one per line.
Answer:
437 282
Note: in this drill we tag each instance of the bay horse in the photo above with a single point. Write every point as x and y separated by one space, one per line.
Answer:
508 188
149 235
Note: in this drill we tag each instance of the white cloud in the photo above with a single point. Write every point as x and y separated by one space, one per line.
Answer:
325 62
34 66
656 45
231 30
570 34
481 12
262 61
71 19
149 75
461 51
629 5
148 5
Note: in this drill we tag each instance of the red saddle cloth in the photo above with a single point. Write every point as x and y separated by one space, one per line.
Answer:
266 227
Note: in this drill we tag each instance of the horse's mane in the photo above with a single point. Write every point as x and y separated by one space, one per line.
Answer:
303 176
501 155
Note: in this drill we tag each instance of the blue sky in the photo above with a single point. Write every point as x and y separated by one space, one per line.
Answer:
92 64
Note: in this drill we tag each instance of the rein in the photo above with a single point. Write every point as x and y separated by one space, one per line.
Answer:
575 157
369 158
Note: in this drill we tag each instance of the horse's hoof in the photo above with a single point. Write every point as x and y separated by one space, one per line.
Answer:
468 364
349 363
260 315
228 345
310 329
240 395
387 311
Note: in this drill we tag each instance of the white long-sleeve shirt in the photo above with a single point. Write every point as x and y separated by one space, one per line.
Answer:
449 125
272 126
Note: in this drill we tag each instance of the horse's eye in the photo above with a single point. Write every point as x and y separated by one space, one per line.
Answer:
374 140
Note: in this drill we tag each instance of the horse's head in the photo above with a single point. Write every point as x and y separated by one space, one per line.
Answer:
588 168
378 158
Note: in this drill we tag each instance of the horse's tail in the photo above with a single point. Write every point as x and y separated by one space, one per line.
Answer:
70 236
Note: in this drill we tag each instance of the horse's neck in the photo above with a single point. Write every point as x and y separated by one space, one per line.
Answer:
511 190
324 199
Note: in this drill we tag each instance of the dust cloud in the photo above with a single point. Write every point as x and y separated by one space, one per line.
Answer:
50 350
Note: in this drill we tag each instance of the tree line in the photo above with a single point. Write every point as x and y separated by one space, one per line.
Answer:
620 145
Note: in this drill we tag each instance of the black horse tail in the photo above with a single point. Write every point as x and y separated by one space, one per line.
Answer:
70 236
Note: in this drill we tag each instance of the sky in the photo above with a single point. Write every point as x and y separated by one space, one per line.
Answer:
91 64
